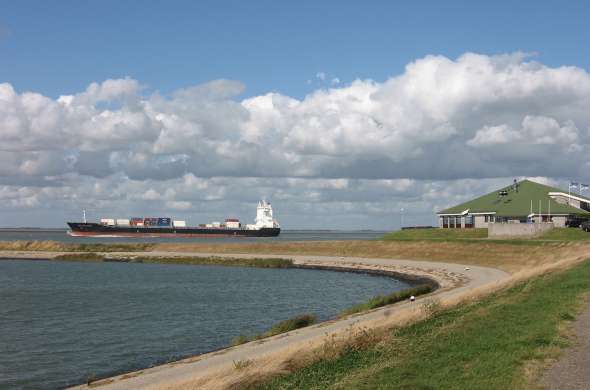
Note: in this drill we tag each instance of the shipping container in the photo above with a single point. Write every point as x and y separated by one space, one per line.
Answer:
216 224
232 224
123 222
107 221
150 221
179 223
164 221
135 221
139 224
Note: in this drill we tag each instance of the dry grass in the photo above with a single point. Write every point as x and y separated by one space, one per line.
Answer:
363 336
508 256
54 246
511 257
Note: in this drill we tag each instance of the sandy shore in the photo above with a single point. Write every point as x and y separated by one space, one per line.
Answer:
218 369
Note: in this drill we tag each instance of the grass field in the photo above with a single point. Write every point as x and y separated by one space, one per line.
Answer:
54 246
436 234
566 234
496 343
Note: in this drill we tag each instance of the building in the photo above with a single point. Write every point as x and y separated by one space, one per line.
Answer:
522 202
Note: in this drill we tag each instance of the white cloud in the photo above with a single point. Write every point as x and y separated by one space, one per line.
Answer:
538 130
442 119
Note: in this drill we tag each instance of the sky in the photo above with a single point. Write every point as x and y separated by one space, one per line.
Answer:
339 113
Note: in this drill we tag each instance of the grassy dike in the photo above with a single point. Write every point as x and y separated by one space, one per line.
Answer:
498 342
223 261
55 246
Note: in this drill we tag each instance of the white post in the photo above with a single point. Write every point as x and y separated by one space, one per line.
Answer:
540 211
84 215
548 210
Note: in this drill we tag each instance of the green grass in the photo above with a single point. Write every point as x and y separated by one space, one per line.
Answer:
90 256
435 234
298 322
383 300
566 234
229 262
484 345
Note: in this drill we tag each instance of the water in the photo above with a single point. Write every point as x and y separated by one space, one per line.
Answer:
286 235
61 322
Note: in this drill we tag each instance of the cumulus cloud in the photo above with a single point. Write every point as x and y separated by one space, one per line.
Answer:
538 130
441 120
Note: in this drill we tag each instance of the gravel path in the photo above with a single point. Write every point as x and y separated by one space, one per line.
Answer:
572 370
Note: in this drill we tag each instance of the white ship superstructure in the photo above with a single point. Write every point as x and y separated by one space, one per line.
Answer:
264 218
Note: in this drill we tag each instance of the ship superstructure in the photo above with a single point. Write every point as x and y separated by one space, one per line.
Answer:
264 226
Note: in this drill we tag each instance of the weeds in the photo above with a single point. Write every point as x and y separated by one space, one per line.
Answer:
298 322
242 364
432 307
384 300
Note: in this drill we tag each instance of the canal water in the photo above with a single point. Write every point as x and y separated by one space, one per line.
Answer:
286 235
61 322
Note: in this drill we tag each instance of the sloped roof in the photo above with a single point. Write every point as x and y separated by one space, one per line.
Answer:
518 203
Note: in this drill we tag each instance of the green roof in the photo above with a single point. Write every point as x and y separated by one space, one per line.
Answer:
518 202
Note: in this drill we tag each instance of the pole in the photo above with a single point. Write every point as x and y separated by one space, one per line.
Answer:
84 214
548 210
540 210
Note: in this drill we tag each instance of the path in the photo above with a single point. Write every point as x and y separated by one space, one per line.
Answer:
571 371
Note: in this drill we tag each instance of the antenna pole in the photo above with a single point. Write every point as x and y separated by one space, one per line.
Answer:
84 215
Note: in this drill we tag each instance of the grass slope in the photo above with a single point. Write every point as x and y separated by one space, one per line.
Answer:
435 234
491 344
566 234
297 322
384 300
223 261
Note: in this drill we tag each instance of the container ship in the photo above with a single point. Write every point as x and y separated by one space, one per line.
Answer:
264 226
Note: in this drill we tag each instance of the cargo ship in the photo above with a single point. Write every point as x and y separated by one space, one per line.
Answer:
264 226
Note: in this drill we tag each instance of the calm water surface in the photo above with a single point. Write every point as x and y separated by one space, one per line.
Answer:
286 235
61 322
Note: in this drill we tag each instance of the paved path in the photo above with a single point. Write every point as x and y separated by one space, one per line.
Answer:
572 370
454 279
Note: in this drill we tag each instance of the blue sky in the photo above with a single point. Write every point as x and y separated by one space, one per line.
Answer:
340 113
60 47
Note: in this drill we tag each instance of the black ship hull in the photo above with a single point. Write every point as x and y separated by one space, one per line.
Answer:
81 229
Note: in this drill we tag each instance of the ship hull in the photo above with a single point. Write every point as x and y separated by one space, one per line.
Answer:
81 229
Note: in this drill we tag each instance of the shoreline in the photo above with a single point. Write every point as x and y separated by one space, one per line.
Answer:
200 370
208 369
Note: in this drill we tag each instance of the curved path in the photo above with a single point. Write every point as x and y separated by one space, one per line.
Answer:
454 280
